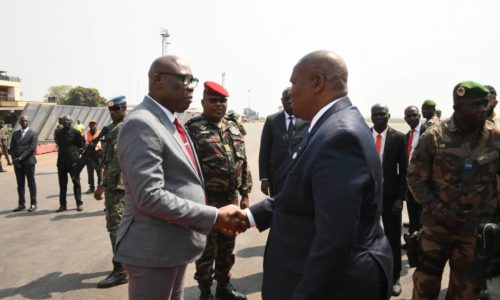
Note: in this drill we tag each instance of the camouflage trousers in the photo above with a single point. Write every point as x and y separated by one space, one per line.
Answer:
115 207
219 248
437 246
3 151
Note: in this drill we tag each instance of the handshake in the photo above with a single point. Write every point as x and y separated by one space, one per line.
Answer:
231 220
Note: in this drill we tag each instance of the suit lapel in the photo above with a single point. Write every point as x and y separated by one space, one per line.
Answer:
388 141
153 107
289 163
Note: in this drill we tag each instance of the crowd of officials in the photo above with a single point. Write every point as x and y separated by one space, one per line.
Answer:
181 191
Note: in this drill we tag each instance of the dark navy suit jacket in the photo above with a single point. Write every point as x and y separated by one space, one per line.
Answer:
24 147
275 145
325 240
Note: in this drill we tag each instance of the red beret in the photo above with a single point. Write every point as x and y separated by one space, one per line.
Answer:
92 121
213 88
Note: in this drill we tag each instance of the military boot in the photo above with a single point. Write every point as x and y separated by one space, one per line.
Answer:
226 291
206 292
116 277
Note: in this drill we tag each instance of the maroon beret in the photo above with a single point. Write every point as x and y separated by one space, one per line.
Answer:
213 88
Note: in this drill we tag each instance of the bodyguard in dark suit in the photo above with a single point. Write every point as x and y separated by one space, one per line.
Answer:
325 240
22 149
281 134
412 118
69 143
391 146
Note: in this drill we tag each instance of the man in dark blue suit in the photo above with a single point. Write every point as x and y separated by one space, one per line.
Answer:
280 137
325 239
391 147
22 149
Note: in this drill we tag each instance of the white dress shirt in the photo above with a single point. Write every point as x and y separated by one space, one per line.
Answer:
416 137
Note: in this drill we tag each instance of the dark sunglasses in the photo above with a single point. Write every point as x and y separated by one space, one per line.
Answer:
186 79
114 108
215 100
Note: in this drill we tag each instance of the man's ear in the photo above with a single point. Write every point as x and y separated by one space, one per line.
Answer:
318 83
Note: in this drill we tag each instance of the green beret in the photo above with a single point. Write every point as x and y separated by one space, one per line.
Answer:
429 102
469 90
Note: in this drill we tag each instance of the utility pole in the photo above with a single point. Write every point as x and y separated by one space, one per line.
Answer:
164 41
249 92
223 78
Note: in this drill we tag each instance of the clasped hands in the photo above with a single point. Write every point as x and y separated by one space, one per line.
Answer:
231 220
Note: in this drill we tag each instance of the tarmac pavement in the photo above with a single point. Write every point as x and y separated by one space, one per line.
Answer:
48 255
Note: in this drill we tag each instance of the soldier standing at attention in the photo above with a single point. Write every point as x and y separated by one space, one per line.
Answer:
4 140
453 175
113 188
428 112
220 148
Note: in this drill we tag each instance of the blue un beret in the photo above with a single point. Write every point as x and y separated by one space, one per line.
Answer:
119 100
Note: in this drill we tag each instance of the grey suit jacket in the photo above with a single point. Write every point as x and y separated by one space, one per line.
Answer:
166 219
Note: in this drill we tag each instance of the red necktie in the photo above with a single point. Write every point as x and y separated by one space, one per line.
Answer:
378 143
410 142
182 133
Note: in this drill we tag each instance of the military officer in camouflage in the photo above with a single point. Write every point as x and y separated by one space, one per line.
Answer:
4 140
113 188
453 175
220 148
429 113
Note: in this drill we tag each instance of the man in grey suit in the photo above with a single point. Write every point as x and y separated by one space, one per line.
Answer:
281 134
22 148
166 220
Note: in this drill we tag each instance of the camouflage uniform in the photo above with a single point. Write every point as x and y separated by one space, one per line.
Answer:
4 140
114 197
221 152
450 173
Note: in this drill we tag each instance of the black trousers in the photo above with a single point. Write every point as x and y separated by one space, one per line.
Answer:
392 228
63 171
23 173
93 166
414 211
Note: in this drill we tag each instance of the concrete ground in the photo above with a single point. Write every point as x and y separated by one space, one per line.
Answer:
47 255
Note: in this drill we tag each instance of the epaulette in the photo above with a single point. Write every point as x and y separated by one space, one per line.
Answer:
192 120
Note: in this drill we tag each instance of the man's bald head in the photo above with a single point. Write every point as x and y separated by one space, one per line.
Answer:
171 83
380 117
328 63
317 79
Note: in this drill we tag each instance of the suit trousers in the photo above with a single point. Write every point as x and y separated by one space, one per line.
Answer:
26 172
62 172
414 211
155 283
93 166
392 228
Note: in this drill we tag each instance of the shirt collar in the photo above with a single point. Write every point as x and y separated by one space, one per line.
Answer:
170 115
321 112
287 115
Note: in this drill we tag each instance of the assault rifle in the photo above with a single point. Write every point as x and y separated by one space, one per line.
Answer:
88 152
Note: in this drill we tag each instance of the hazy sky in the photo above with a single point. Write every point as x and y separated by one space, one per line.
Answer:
398 52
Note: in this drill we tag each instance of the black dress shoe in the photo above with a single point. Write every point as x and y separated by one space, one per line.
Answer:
2 170
90 191
227 292
32 208
79 207
61 208
19 208
113 279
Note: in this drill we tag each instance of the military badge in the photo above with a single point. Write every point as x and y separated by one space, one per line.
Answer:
460 91
234 130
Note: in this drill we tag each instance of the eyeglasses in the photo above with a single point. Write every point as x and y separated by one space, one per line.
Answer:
215 100
114 108
186 79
